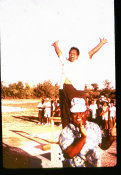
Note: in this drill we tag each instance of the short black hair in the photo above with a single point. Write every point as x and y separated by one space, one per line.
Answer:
112 101
75 48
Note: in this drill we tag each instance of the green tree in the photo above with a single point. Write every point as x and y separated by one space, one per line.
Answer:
37 91
12 90
48 89
107 88
95 86
107 84
3 90
112 94
96 94
20 89
28 91
56 87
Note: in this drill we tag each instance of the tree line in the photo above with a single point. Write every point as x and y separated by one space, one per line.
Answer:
21 91
47 89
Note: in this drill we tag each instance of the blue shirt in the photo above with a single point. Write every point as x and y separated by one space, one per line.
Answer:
89 156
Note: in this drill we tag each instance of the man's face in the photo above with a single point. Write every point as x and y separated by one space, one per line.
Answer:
73 55
112 104
79 118
105 104
92 102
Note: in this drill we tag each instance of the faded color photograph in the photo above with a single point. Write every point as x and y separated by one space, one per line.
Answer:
58 86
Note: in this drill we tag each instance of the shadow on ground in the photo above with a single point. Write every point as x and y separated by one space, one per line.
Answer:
32 119
14 157
27 118
26 135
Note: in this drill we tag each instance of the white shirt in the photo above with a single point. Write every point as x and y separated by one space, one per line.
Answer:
93 107
77 72
47 109
40 106
112 111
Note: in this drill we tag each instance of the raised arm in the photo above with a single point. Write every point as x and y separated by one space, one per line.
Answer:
58 51
108 139
97 48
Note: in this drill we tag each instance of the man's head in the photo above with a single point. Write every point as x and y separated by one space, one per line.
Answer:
73 54
93 102
112 103
47 99
105 103
78 111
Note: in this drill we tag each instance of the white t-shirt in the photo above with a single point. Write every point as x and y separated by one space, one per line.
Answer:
77 72
40 106
47 109
93 107
105 115
112 111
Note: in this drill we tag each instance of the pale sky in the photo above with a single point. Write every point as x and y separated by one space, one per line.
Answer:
29 27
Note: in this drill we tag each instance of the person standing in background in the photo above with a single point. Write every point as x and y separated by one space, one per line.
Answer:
93 109
47 114
112 115
105 111
53 108
41 112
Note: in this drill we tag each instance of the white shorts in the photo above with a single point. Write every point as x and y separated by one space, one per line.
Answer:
105 117
112 117
47 113
94 116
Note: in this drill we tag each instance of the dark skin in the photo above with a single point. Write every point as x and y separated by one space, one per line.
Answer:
74 57
79 120
73 54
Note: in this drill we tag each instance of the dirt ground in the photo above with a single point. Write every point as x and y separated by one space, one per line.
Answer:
23 138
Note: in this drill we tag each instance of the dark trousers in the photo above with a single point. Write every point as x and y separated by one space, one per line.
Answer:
66 95
41 115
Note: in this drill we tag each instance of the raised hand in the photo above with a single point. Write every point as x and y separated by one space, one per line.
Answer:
58 51
103 40
55 43
82 130
98 47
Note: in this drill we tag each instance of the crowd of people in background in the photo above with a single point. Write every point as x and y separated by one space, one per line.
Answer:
101 111
48 108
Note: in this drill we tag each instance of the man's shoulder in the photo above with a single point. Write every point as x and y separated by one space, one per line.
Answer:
69 126
67 132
